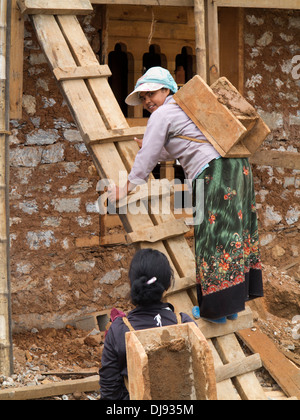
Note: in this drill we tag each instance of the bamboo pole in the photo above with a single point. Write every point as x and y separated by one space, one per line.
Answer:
200 31
6 360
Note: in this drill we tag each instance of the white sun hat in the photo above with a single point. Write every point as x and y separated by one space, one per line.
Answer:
154 79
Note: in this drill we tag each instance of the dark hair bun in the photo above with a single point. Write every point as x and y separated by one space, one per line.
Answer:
146 265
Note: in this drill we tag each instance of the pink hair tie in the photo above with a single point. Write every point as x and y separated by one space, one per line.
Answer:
151 281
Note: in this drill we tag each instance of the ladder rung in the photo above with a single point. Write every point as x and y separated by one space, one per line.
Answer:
86 72
158 233
112 136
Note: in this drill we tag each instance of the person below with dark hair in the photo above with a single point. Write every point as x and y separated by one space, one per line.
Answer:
150 276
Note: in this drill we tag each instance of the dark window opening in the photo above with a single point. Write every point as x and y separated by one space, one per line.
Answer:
120 63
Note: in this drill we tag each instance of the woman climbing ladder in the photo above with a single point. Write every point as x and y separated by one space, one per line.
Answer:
227 252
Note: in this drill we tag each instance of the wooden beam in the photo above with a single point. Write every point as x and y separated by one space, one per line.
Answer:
162 30
184 3
90 384
238 368
55 7
265 4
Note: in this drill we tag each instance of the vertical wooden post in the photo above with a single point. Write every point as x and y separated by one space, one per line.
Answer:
16 54
213 42
6 360
200 28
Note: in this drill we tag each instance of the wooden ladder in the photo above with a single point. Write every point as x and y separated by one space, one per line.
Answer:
107 135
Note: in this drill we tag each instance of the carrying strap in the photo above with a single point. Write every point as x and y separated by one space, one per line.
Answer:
128 324
179 319
192 139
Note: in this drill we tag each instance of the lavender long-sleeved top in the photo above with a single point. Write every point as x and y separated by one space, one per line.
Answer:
161 143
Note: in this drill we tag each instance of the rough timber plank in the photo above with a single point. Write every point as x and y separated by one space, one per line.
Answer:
55 7
238 368
90 384
285 373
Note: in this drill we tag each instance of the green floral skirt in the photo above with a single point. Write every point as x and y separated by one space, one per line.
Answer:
228 262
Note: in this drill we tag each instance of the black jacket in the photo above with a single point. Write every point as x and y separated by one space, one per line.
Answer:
114 365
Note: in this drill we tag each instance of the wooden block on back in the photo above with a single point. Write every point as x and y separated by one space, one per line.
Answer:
216 121
257 130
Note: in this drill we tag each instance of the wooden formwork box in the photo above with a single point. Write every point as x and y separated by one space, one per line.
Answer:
108 137
227 120
194 379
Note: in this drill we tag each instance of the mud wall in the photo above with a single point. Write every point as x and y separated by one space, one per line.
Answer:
53 182
52 206
272 82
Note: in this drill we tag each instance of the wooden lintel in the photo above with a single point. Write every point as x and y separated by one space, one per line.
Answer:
87 72
159 233
181 3
265 4
55 7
